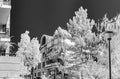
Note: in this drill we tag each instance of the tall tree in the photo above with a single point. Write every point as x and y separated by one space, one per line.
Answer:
83 59
29 51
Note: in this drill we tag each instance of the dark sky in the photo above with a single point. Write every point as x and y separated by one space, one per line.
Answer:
44 16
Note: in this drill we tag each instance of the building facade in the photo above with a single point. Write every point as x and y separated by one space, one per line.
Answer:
11 67
51 49
5 8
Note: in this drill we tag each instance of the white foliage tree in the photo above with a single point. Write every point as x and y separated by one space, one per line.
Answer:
29 50
23 45
80 23
35 50
84 59
85 54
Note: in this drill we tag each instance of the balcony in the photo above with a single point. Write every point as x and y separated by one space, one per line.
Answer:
5 2
53 65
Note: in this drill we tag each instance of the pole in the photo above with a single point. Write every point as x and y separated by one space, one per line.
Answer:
109 59
109 39
54 73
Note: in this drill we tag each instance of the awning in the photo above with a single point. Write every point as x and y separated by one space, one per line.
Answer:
4 14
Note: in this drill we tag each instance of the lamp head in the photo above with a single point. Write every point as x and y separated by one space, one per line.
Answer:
110 34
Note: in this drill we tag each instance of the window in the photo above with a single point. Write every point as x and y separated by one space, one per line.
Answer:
43 64
7 2
43 54
48 62
66 75
39 73
50 50
43 40
39 65
2 28
60 61
35 74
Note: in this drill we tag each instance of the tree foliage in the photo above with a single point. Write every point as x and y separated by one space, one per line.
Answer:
86 51
29 50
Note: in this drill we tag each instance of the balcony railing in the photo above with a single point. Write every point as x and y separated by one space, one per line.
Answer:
52 65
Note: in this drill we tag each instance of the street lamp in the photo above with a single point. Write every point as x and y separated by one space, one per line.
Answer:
110 33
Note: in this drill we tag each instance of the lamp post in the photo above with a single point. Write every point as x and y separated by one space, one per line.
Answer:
110 33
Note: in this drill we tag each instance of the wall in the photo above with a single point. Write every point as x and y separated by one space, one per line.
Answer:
10 66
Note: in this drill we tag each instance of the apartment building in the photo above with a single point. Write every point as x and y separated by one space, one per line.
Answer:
51 50
11 67
5 8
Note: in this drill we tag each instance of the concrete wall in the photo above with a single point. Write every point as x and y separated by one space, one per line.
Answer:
10 66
